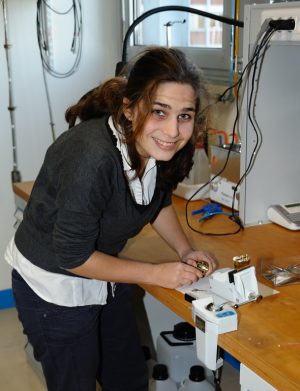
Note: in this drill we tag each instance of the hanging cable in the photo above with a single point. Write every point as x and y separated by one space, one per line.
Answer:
15 173
43 7
153 11
76 44
257 56
49 105
256 59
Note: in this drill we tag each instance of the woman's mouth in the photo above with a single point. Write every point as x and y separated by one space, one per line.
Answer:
167 145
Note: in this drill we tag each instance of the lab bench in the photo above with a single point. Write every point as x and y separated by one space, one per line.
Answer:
267 342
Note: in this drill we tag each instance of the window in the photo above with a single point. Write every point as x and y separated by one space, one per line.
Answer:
205 32
198 31
206 41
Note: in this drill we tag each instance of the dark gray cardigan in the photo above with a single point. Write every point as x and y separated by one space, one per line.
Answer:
81 201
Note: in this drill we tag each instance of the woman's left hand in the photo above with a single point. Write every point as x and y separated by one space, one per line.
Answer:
194 256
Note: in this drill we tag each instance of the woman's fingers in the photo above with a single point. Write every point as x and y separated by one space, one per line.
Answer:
176 274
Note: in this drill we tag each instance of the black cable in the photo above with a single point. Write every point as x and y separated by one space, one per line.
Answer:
251 107
239 83
153 11
271 27
253 63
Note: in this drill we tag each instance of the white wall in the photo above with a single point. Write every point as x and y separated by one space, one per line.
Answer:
102 42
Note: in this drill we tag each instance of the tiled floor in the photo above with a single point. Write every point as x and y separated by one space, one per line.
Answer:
16 373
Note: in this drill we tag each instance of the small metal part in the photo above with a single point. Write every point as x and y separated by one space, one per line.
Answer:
241 261
202 266
213 307
252 296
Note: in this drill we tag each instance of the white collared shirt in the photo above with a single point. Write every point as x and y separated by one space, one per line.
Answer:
142 190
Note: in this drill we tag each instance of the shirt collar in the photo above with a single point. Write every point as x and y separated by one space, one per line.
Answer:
124 151
142 190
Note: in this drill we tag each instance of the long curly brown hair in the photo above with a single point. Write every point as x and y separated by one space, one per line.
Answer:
138 83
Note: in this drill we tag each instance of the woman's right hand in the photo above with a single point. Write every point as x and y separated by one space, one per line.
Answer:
175 274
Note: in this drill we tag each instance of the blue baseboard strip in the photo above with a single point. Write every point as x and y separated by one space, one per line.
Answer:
6 299
232 361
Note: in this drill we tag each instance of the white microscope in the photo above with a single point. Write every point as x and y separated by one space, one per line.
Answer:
214 313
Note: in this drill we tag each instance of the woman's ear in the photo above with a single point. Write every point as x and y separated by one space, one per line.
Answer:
126 110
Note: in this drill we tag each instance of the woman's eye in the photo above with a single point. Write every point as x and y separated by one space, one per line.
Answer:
184 117
158 113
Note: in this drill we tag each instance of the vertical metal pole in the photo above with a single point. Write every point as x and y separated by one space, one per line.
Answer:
236 46
218 372
168 34
168 26
15 174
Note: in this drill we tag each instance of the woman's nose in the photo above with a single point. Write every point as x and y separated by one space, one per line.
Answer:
171 127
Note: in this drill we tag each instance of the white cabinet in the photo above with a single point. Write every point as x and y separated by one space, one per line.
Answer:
250 381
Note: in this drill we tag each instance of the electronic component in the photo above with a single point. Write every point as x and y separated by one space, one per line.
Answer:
222 191
286 215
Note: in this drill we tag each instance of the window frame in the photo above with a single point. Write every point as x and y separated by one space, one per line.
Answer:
215 62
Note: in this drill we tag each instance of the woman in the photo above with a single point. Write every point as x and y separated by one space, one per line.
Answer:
101 182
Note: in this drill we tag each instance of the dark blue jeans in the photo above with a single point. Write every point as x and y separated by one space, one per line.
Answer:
77 345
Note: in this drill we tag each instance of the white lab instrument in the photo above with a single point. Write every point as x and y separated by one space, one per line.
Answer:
235 286
225 170
271 179
211 321
213 311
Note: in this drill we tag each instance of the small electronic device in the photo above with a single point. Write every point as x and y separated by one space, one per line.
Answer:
286 215
222 191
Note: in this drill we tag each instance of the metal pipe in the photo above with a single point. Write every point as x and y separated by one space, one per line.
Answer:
168 26
15 174
236 46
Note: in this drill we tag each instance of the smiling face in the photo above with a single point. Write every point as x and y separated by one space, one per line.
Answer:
170 124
